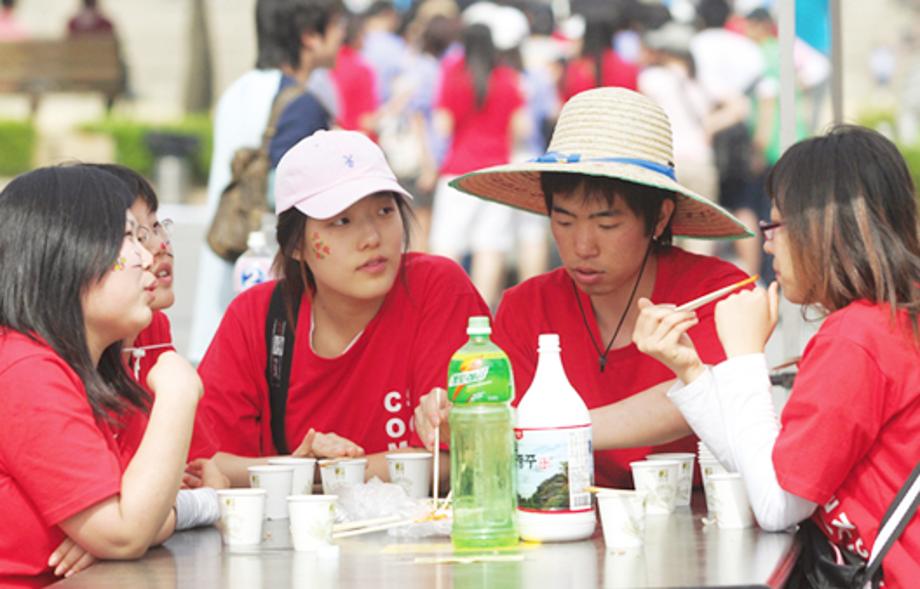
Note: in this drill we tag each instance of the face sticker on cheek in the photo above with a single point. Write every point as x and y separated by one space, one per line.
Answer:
320 249
121 263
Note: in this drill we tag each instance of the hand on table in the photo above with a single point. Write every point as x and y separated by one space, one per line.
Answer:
204 472
746 319
70 558
320 445
661 332
430 414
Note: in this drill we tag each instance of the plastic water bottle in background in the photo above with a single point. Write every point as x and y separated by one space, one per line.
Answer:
254 266
555 460
480 385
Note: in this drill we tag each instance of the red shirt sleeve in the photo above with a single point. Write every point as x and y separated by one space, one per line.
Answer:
232 371
830 419
51 443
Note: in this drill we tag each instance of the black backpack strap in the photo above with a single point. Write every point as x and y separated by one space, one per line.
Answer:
279 346
900 513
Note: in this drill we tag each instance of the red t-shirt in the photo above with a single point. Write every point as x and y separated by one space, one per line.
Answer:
481 136
547 304
368 393
355 82
56 458
580 74
135 421
851 431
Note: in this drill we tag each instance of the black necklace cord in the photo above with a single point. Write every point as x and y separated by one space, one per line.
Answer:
602 355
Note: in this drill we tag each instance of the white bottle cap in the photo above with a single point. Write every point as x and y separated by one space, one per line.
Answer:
256 240
548 342
478 325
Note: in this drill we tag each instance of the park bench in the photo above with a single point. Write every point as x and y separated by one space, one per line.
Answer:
83 64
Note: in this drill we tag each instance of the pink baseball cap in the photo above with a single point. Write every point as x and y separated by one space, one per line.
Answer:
329 171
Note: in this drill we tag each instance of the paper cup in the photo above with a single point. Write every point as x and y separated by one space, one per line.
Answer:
304 469
656 482
338 473
411 471
241 514
685 474
708 468
732 507
312 517
622 517
276 480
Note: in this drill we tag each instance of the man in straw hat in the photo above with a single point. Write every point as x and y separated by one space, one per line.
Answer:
608 186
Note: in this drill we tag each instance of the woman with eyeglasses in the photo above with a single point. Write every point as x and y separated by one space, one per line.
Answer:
76 282
143 349
844 233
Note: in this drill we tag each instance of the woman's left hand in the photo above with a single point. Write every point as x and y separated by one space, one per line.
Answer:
320 445
70 558
746 319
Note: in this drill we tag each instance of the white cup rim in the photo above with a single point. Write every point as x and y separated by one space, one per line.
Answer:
336 462
663 456
263 468
290 461
617 493
241 492
653 463
726 476
409 456
312 498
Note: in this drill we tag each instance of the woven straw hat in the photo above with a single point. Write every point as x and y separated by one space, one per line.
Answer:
614 133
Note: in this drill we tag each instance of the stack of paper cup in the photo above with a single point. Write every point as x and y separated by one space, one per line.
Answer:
241 515
304 471
276 480
341 472
622 518
732 507
411 471
685 476
656 483
709 466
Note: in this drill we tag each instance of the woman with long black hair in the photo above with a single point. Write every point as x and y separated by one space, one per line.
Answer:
76 282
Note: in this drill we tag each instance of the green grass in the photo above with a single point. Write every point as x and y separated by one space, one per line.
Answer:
17 145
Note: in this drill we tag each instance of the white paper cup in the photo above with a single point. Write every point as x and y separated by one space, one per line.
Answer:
656 482
733 509
622 518
312 517
241 514
412 472
338 473
276 480
708 468
685 473
304 472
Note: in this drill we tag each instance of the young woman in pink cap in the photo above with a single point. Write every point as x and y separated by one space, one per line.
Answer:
374 330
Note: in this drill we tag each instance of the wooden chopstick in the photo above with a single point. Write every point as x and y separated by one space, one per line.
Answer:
344 527
371 529
708 298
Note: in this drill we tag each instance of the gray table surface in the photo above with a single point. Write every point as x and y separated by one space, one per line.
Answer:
679 551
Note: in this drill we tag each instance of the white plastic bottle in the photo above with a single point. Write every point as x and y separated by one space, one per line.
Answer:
555 460
254 266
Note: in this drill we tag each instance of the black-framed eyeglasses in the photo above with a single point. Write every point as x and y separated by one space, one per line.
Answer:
768 230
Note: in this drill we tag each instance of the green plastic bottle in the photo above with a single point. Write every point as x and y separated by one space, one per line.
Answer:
481 387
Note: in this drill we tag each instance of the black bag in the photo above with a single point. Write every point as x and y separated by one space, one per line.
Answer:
733 149
818 566
243 202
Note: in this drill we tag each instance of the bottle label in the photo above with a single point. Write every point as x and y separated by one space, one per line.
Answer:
555 466
479 378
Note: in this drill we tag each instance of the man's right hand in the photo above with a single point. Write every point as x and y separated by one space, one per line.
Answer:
430 414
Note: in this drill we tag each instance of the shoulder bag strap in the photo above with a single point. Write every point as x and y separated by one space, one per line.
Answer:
279 344
281 102
899 514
